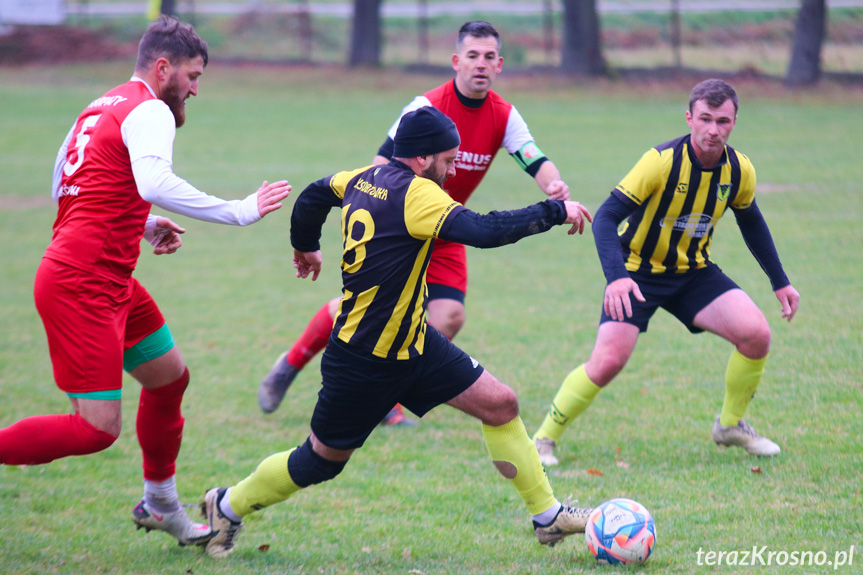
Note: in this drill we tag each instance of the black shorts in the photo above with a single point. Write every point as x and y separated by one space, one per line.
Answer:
441 291
359 389
683 295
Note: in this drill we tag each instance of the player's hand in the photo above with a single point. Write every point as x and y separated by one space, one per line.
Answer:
617 302
789 298
576 214
307 263
166 236
557 190
270 196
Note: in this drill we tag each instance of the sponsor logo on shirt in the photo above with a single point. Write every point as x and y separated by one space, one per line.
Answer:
695 225
470 161
374 191
69 190
107 101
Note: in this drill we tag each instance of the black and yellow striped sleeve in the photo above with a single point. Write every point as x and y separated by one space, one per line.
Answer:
645 178
427 208
746 193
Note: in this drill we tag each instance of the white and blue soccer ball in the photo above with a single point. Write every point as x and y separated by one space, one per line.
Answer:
620 531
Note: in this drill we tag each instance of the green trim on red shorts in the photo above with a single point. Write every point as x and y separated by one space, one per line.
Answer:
154 345
106 395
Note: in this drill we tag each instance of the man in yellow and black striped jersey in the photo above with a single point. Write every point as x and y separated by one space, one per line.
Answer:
381 350
653 236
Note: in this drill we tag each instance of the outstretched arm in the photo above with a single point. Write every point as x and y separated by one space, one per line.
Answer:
548 180
148 132
501 228
159 185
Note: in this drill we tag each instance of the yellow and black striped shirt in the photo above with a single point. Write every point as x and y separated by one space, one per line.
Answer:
679 204
389 218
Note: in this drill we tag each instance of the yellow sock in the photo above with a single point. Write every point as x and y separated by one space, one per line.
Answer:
515 456
742 377
269 484
574 396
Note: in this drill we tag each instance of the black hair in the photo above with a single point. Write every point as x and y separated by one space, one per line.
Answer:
477 29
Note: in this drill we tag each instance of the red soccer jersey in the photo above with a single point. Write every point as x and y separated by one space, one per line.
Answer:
101 216
482 131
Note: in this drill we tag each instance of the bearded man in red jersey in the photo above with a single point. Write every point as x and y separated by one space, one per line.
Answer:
115 163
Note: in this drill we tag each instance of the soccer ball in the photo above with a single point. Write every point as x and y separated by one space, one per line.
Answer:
620 531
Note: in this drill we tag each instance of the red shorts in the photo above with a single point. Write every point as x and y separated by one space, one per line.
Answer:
448 265
90 321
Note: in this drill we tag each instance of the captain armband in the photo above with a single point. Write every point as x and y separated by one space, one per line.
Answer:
530 158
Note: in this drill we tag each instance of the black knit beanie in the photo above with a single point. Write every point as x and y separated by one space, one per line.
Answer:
424 132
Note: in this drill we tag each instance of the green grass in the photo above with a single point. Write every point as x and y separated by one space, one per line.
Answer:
426 500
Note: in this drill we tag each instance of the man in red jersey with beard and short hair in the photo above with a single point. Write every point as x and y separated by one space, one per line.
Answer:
115 163
486 123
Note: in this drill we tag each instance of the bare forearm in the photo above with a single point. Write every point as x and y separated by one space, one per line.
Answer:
547 174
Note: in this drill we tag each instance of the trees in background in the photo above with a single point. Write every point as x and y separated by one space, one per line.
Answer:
366 37
582 51
582 46
809 32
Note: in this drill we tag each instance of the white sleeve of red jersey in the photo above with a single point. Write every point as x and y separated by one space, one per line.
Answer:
517 133
148 132
159 185
416 103
58 165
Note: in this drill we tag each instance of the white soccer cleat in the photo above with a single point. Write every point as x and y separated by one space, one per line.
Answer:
743 435
176 524
225 531
569 520
545 448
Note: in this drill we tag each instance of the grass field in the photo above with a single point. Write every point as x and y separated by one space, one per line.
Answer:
426 500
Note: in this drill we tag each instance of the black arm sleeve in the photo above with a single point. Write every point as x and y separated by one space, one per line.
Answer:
501 228
309 214
386 149
608 217
757 236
